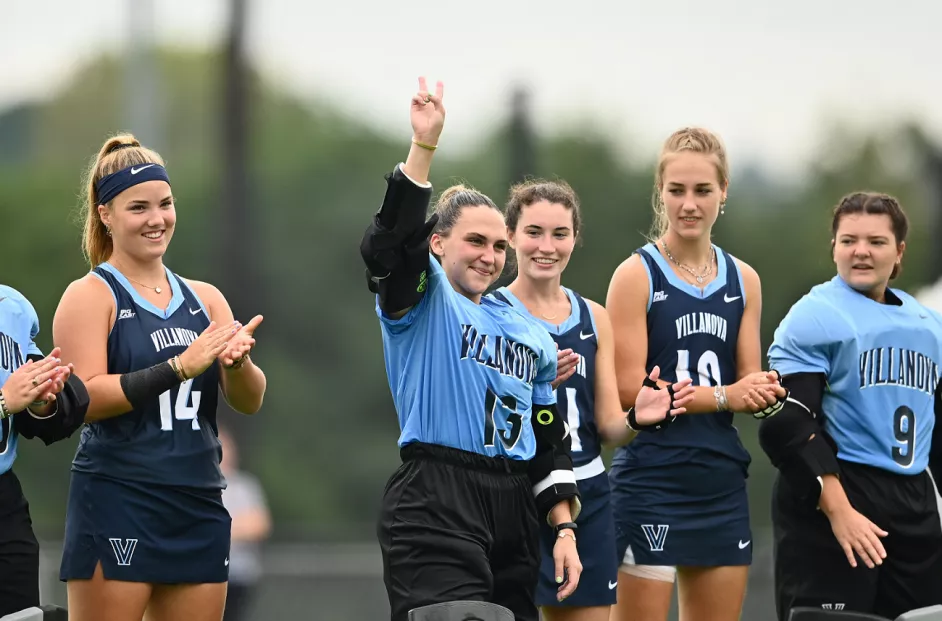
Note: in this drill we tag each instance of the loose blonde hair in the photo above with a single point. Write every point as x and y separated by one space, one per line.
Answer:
116 154
694 140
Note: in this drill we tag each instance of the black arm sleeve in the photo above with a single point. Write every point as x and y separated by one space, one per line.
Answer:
935 452
550 470
69 414
394 246
787 437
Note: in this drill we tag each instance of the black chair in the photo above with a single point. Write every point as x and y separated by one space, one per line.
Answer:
460 611
54 613
807 613
930 613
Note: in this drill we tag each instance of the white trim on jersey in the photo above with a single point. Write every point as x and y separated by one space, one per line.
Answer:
589 470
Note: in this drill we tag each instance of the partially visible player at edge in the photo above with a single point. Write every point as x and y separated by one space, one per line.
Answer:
853 442
40 398
146 529
687 306
544 221
485 451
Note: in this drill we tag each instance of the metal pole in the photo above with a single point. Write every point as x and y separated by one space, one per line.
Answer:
522 139
142 113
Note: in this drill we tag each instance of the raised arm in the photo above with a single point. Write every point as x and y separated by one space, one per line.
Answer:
395 245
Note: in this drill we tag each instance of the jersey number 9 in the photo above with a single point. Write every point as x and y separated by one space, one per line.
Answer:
904 428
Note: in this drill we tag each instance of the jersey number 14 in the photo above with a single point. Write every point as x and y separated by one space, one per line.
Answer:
181 410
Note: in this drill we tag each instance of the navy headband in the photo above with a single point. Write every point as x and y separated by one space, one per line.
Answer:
111 185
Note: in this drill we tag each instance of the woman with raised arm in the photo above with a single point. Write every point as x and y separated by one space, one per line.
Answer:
485 451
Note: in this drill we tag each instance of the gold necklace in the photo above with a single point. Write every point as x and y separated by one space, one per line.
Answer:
156 289
548 317
706 271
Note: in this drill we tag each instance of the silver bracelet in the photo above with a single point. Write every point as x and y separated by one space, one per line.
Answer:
4 412
719 393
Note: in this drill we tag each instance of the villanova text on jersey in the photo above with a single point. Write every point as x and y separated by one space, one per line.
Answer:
575 396
466 375
881 362
172 440
894 366
692 333
507 357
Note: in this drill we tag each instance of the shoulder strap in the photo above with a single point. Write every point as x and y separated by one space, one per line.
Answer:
733 280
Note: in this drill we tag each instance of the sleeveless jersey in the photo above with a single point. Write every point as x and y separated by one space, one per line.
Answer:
172 440
575 398
882 367
691 333
466 375
19 325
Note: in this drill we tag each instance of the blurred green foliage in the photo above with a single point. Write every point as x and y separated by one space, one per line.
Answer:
325 441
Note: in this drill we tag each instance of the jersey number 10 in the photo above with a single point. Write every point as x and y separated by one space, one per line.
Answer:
182 411
707 367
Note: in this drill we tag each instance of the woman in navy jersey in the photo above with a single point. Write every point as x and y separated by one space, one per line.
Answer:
544 221
685 305
146 529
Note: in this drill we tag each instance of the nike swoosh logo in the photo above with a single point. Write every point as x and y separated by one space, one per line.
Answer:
134 171
742 546
726 298
198 310
586 336
612 585
226 563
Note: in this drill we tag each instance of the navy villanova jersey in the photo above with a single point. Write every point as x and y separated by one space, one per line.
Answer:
575 398
691 333
172 440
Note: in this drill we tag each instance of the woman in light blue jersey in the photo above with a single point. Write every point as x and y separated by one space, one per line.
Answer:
39 398
544 221
486 454
854 443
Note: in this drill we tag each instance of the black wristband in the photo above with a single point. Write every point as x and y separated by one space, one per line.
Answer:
142 386
563 526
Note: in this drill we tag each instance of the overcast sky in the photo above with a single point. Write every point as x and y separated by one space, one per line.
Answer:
766 75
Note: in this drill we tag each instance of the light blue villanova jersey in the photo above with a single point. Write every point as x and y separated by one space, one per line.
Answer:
465 375
882 368
19 325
